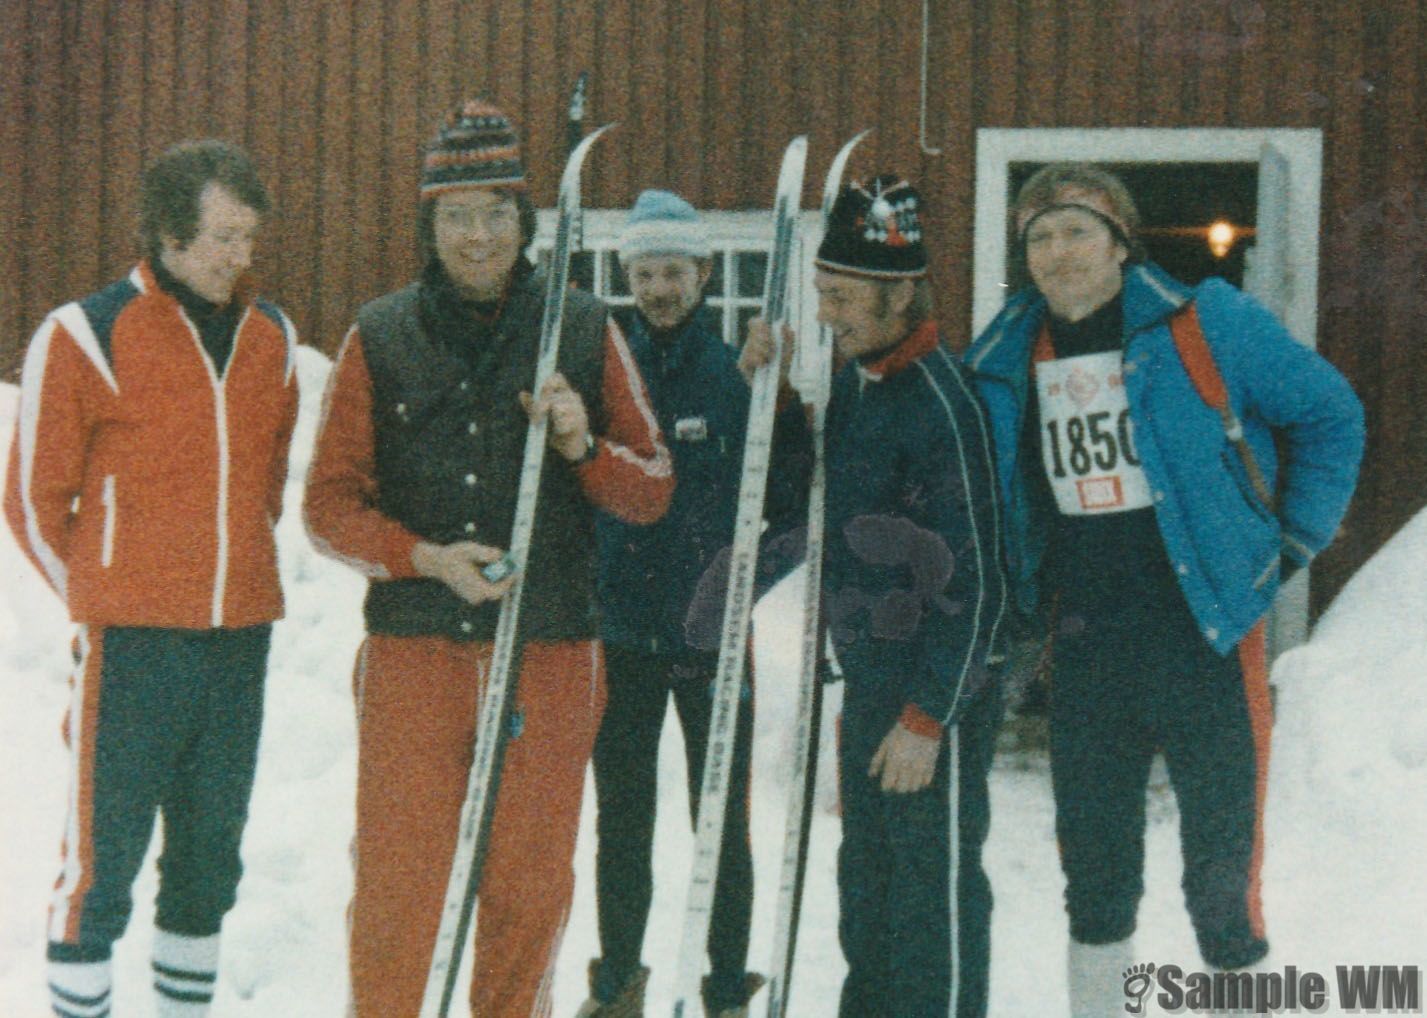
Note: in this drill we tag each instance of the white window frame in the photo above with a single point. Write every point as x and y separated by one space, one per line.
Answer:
729 233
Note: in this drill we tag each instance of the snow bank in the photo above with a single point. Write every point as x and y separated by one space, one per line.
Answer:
1345 826
1344 877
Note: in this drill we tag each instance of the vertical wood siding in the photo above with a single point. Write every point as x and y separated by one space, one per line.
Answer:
335 98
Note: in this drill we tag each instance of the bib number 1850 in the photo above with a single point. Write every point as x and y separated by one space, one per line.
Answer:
1091 442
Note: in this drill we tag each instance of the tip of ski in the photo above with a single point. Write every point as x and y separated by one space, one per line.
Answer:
570 179
833 182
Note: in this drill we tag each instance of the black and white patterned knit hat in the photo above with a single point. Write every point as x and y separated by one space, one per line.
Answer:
875 230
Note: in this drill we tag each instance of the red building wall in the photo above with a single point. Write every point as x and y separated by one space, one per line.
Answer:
335 99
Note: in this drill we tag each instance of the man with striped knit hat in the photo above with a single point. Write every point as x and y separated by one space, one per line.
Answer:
413 482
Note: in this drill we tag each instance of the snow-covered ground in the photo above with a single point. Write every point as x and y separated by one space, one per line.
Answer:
1347 813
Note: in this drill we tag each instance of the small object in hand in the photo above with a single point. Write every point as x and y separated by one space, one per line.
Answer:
494 572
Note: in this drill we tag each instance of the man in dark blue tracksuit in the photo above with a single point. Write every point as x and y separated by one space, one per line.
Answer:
913 592
647 578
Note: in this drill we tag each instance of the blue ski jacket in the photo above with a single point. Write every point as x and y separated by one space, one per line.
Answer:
1224 544
648 573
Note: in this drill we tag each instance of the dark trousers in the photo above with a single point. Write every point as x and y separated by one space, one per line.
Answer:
163 720
913 948
1118 695
626 761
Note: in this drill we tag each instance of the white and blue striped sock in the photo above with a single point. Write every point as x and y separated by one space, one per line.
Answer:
79 989
185 974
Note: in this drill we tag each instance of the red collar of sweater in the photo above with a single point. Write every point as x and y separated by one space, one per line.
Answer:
920 342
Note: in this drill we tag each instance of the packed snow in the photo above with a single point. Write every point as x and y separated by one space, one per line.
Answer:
1346 821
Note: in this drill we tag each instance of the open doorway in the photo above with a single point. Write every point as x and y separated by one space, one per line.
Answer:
1181 179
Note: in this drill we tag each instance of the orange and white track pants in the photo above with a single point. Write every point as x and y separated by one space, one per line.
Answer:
417 703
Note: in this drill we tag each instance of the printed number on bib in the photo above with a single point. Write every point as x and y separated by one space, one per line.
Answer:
1087 437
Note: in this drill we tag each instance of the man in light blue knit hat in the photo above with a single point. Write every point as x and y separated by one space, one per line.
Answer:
647 578
665 252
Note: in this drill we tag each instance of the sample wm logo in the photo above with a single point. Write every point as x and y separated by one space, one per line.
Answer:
1372 989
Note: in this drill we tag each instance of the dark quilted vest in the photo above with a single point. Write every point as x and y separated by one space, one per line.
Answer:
449 444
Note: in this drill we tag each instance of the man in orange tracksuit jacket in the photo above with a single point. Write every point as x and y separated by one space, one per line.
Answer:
144 480
413 482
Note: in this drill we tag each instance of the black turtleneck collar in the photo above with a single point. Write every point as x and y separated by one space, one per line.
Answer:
216 323
664 339
180 291
462 324
666 349
1097 332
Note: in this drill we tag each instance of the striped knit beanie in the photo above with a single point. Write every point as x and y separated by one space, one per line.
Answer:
476 147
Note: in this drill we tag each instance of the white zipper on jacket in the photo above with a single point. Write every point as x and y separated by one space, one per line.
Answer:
106 556
220 414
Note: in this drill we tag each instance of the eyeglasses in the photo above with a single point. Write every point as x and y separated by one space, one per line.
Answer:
464 218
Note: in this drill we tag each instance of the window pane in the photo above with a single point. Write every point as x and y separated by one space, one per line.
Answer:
582 270
743 315
616 283
752 268
715 283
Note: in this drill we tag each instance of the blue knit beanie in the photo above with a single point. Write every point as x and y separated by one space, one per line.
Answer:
663 223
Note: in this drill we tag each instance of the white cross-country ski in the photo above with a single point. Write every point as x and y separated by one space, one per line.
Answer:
459 907
738 603
808 719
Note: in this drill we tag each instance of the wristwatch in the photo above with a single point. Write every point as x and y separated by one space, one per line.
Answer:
591 449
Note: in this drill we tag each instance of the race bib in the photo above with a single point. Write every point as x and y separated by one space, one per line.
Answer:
1087 438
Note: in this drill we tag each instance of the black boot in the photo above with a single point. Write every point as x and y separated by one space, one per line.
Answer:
736 1008
617 1001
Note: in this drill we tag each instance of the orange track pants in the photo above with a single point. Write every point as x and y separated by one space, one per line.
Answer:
417 701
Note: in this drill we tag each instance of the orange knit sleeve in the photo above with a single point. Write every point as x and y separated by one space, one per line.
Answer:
339 504
632 473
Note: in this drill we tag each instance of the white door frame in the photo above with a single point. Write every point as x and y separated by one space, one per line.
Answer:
1302 148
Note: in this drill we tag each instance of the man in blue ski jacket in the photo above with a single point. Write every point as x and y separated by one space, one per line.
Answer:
913 593
1158 525
647 578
